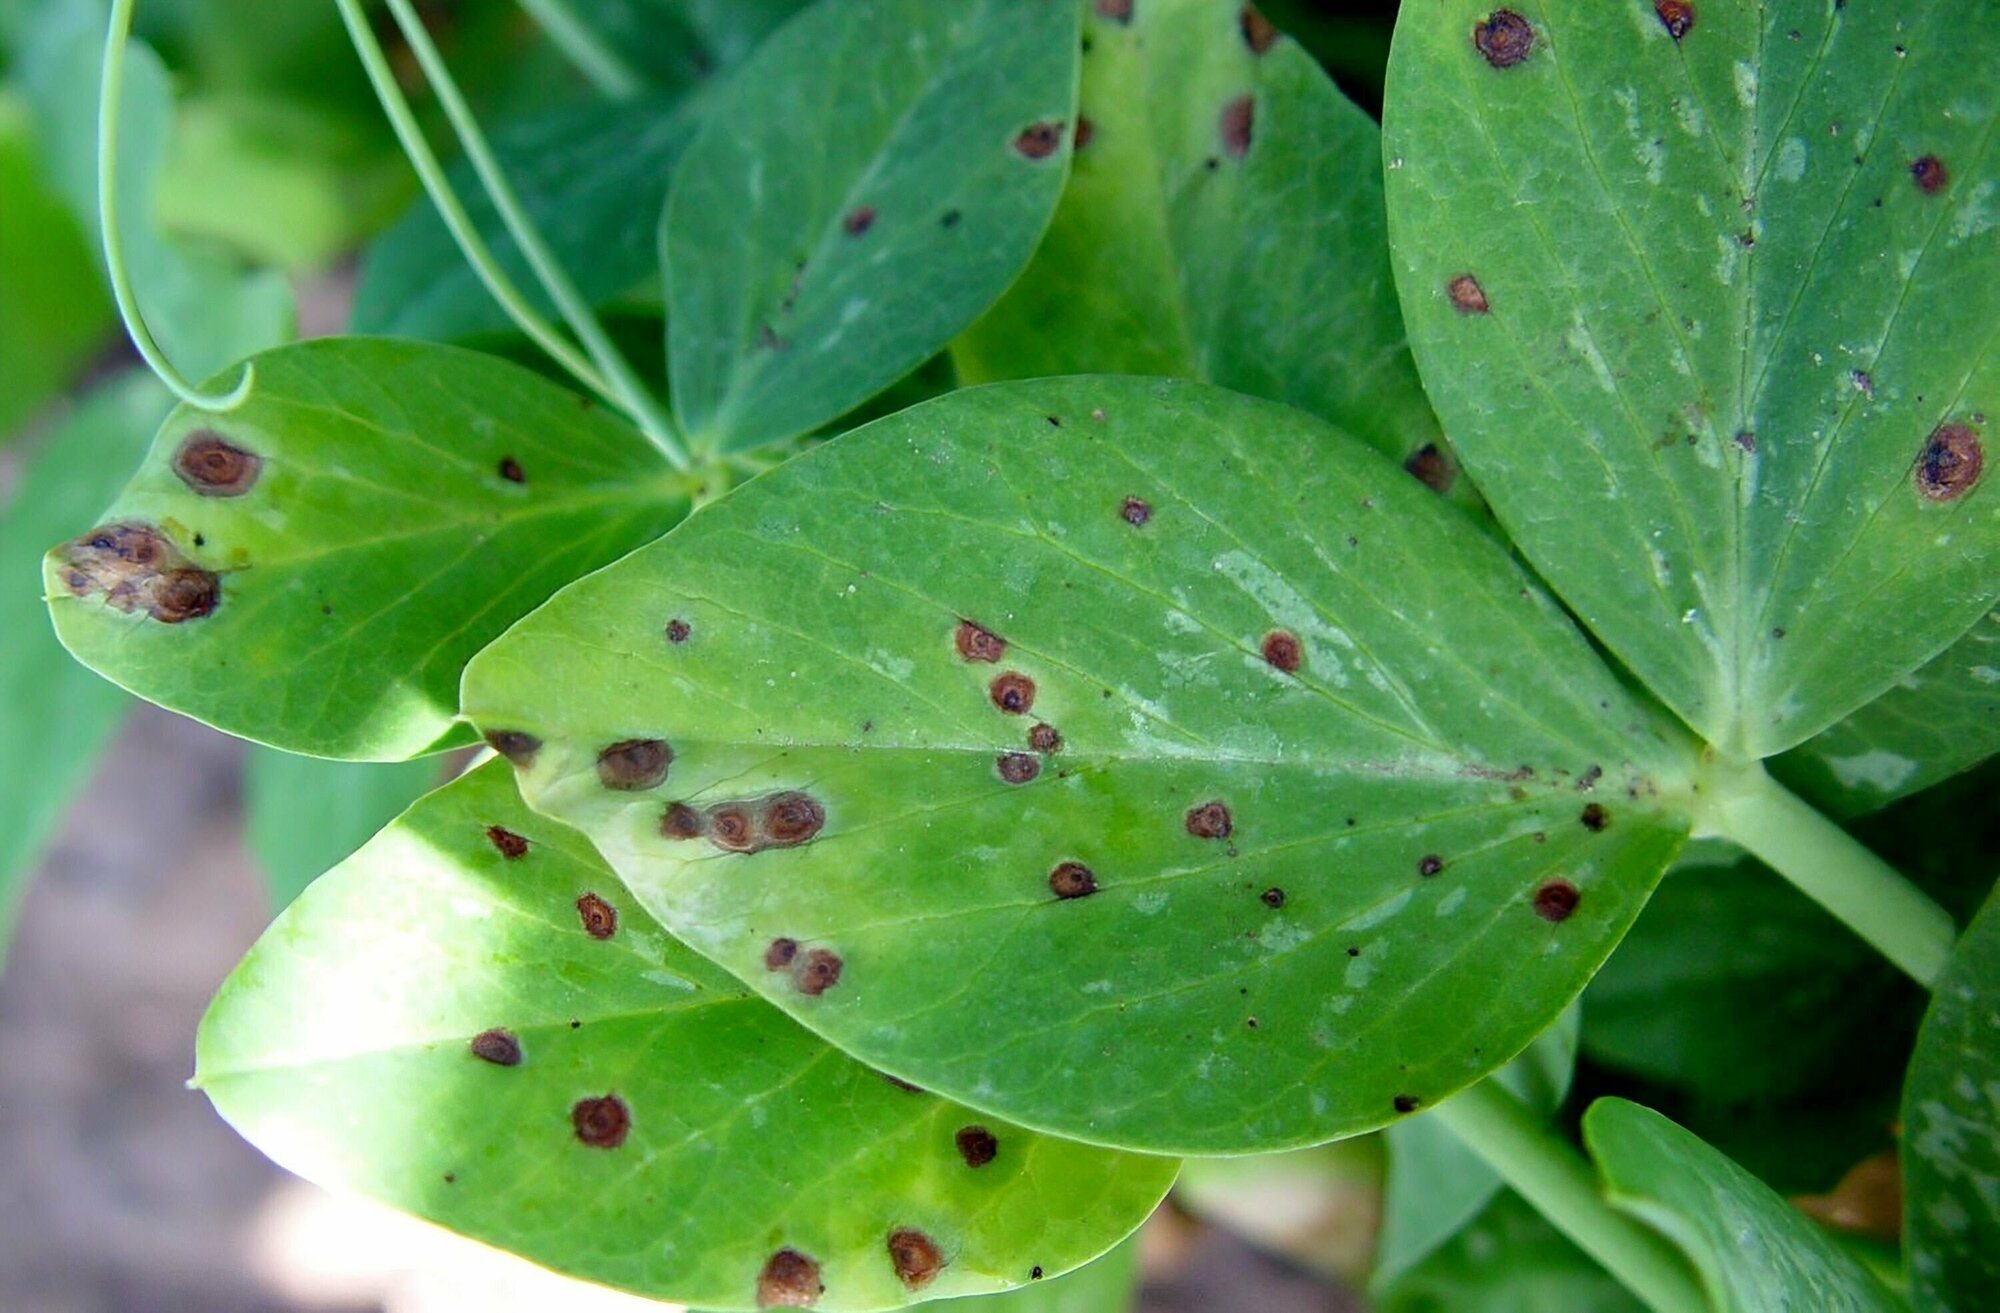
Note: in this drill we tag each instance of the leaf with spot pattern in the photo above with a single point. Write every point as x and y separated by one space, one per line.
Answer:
1705 295
470 1020
1167 769
868 184
313 569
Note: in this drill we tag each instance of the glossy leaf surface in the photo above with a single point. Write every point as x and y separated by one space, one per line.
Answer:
1223 222
313 569
1951 1127
303 815
1708 312
508 1045
867 185
1754 1251
1274 762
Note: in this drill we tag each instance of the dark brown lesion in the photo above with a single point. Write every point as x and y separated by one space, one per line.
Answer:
1950 462
789 1280
216 467
749 825
1038 141
1504 38
135 568
916 1256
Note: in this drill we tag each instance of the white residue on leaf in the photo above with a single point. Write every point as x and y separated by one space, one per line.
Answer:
1651 156
1874 769
1360 970
1381 912
1725 267
1986 675
1688 114
889 664
1580 341
1451 902
1180 622
1282 937
1288 609
1975 211
1791 164
1098 987
1150 903
1746 83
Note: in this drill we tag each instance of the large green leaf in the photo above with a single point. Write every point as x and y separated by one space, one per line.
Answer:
56 718
1507 1261
592 177
303 815
1951 1121
674 43
470 1020
864 188
1755 1252
312 569
1223 221
1320 749
1704 295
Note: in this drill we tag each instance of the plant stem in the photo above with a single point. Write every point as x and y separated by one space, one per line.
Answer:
110 101
633 395
1554 1176
605 68
1832 868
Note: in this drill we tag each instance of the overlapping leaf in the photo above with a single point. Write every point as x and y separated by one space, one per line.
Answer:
1705 295
303 815
865 187
1508 1260
1165 768
313 569
470 1020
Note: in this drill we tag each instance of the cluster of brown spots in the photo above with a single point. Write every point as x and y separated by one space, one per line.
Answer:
1467 296
1504 38
1072 880
1556 899
1135 512
816 972
1430 864
1595 818
780 954
1407 1103
1239 117
1951 461
600 919
678 630
510 470
499 1047
1013 693
1930 175
633 765
977 643
1431 467
1118 11
1045 738
1677 16
976 1145
1038 141
510 844
916 1256
1588 780
515 746
1017 767
1085 130
601 1123
859 220
750 825
789 1280
1273 898
1258 33
136 568
214 467
681 821
1210 820
1282 651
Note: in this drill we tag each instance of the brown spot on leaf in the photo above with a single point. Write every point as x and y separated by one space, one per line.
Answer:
515 746
859 220
631 765
1044 738
916 1256
1135 512
1556 899
1210 820
792 818
1017 767
1746 442
780 954
215 467
1588 780
1118 11
1431 467
600 919
510 470
1273 898
1072 880
789 1280
1281 649
1085 130
1595 818
1239 119
1258 33
1677 16
1408 1103
1930 175
681 821
732 828
601 1123
817 972
510 844
1013 693
1951 461
678 630
1504 38
136 568
977 643
1430 864
499 1047
1038 141
976 1145
1467 296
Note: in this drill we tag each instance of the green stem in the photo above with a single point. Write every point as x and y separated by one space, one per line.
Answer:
633 395
605 68
1551 1174
110 102
1831 867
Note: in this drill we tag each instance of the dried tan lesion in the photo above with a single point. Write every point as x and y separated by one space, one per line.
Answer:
135 568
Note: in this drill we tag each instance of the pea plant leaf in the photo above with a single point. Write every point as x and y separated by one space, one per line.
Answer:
1224 222
862 190
1144 753
303 815
1755 1253
672 44
313 569
592 177
1951 1121
471 1021
1705 296
1508 1260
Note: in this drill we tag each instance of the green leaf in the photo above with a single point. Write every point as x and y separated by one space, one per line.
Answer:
313 569
1106 1285
673 43
642 1121
1264 269
1951 1120
1508 1260
1708 318
1436 1185
1939 721
861 191
56 718
1395 791
592 177
302 815
1755 1252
